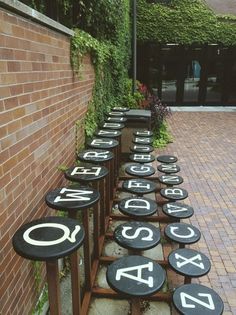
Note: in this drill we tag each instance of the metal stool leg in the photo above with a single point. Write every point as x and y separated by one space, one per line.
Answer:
53 287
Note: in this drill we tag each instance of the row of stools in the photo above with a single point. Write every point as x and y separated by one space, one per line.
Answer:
139 277
91 191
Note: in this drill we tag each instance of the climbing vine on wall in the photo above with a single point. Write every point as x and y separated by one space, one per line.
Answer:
109 48
183 22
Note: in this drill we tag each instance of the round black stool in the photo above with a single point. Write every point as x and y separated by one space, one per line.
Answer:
139 186
170 179
137 206
178 210
86 173
140 170
189 263
116 119
137 236
111 145
182 233
195 299
142 140
48 239
173 193
168 168
116 114
143 133
103 157
136 277
141 148
142 157
120 109
167 159
76 198
113 126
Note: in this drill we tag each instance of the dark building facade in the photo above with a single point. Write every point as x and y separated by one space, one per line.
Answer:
189 75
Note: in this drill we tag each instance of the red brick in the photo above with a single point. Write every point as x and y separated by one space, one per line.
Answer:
11 103
13 66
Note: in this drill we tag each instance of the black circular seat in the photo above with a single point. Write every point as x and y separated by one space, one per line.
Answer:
178 210
182 233
168 168
86 172
135 276
167 159
48 238
120 109
195 299
143 133
142 140
173 193
142 157
103 143
72 198
140 170
139 186
95 156
137 206
141 148
116 119
189 262
170 179
137 236
115 114
113 125
108 133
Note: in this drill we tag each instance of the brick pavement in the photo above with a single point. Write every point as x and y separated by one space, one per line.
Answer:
205 144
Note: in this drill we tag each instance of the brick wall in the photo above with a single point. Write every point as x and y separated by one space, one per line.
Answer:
40 100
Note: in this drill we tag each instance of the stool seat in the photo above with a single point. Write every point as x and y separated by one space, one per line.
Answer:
141 148
137 206
48 238
103 143
116 114
142 140
140 170
86 172
142 157
95 156
168 168
139 186
116 119
120 109
135 276
182 233
173 193
178 210
73 197
167 159
137 235
189 262
143 133
195 299
170 179
108 133
113 125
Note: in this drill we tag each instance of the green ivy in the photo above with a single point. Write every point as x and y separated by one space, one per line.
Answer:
183 22
108 43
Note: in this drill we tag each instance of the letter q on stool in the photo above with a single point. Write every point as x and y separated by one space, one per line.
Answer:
137 277
48 239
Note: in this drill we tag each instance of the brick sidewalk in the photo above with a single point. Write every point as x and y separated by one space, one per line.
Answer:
205 144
